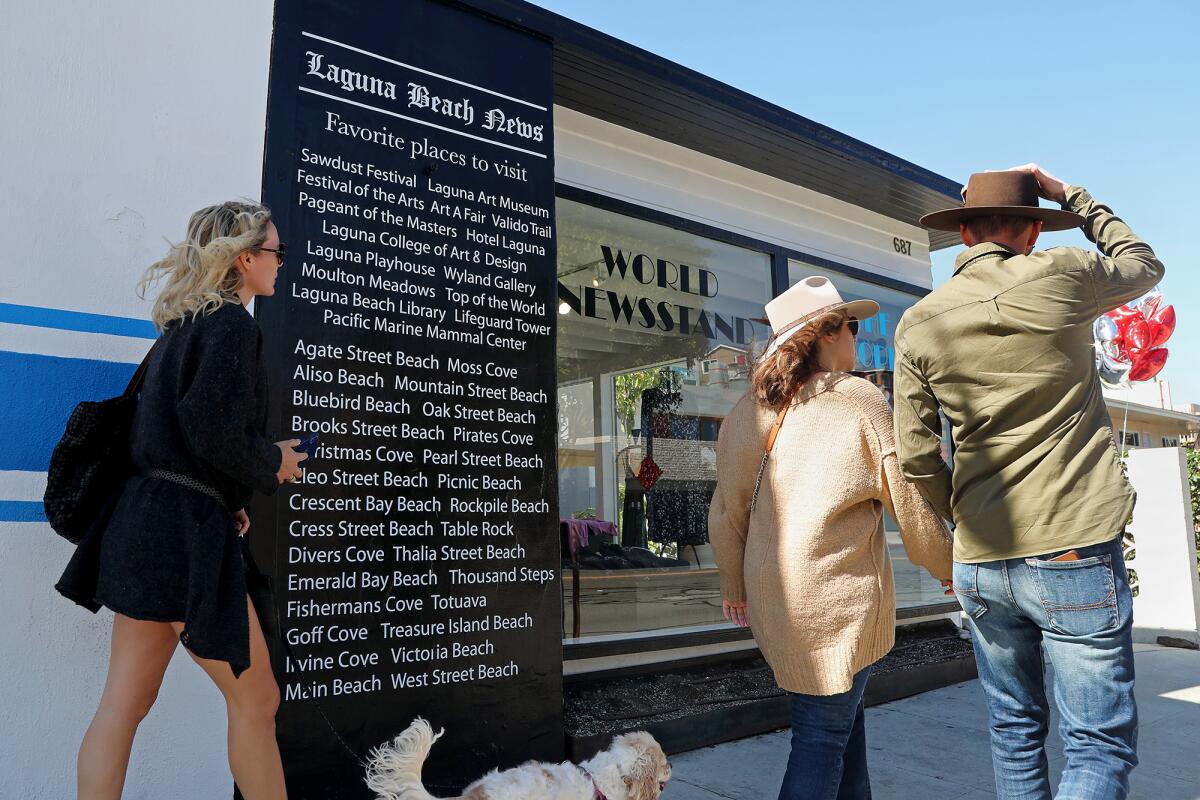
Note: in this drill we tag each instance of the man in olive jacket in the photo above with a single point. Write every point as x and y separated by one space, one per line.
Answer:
1004 350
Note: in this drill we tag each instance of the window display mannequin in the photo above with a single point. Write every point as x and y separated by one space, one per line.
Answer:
677 501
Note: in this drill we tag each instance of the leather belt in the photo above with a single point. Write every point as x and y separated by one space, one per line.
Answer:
184 480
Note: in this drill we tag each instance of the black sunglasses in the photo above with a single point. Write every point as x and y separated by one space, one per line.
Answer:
853 323
280 252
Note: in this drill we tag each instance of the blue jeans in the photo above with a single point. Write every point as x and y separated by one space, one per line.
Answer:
829 747
1081 612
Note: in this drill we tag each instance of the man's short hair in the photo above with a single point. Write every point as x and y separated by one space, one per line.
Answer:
984 228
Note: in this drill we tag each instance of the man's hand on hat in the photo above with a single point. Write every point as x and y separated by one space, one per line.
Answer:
1049 186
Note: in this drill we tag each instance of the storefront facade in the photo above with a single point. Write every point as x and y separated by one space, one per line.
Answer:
641 399
679 206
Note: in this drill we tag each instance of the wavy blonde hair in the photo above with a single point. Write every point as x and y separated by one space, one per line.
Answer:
200 272
778 377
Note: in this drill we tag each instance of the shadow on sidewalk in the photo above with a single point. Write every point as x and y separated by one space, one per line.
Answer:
937 744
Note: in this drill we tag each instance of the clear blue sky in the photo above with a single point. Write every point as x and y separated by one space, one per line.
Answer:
1103 94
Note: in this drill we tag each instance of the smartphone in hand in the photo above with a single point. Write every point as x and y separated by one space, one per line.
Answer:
308 445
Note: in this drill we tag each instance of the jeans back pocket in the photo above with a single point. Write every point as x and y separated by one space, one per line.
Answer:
966 590
1079 597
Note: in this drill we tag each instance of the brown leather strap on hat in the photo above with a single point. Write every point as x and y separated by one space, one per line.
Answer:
807 318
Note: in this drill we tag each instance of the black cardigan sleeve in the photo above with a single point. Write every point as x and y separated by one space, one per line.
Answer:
217 407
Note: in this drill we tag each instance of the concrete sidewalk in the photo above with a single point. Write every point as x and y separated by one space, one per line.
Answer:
936 745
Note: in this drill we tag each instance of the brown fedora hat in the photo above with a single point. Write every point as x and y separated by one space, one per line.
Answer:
1011 193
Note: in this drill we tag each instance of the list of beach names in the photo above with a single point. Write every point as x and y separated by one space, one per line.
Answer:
416 325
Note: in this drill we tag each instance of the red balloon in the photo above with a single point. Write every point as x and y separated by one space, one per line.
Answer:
1116 351
1124 312
1122 328
1137 335
1141 329
1148 365
1164 322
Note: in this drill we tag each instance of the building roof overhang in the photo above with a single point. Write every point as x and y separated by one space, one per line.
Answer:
1192 421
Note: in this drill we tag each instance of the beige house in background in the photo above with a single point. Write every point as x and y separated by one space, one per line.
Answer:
1147 418
724 364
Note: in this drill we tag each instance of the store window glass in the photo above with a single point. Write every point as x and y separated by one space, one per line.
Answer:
656 334
876 363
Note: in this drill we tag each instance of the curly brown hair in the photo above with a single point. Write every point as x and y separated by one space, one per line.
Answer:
778 377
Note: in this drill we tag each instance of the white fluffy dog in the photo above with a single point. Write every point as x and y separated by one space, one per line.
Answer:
632 768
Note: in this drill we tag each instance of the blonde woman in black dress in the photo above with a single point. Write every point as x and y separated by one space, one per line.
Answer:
166 556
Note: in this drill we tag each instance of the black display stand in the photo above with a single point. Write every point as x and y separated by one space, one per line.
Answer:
409 166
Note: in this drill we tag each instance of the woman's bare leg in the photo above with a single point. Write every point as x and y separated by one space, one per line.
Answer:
140 653
252 701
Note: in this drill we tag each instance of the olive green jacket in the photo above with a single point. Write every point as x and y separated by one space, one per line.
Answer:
1004 349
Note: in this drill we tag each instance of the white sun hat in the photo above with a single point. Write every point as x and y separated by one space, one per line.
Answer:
804 302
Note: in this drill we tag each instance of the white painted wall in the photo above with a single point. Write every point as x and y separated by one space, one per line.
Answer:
1155 393
1168 601
119 120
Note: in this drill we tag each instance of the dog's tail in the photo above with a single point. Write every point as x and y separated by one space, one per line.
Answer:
394 771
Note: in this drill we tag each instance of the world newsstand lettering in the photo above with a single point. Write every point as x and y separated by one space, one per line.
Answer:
653 313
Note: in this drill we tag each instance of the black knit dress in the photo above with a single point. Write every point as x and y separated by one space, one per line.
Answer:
165 552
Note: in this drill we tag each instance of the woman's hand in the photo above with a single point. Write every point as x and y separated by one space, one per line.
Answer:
949 588
735 613
289 464
242 521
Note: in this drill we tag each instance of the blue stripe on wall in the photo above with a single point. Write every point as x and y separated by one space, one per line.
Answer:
37 395
76 321
21 511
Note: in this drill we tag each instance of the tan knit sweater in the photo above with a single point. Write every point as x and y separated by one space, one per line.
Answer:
811 561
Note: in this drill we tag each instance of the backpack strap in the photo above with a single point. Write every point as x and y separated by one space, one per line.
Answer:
139 375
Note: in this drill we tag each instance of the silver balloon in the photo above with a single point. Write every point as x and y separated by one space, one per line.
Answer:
1104 329
1113 373
1113 370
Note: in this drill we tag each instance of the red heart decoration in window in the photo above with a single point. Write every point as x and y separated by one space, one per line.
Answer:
648 473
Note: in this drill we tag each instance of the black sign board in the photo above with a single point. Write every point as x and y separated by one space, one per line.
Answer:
409 165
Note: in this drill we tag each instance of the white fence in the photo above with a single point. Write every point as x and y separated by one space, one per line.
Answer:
1168 601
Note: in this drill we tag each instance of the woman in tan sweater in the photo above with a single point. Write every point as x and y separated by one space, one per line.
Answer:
804 560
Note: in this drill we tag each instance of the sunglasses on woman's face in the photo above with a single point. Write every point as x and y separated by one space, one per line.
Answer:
853 323
280 252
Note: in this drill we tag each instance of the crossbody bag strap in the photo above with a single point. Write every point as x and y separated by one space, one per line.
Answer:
770 445
139 375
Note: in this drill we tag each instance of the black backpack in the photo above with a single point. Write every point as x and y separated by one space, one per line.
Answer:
91 461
